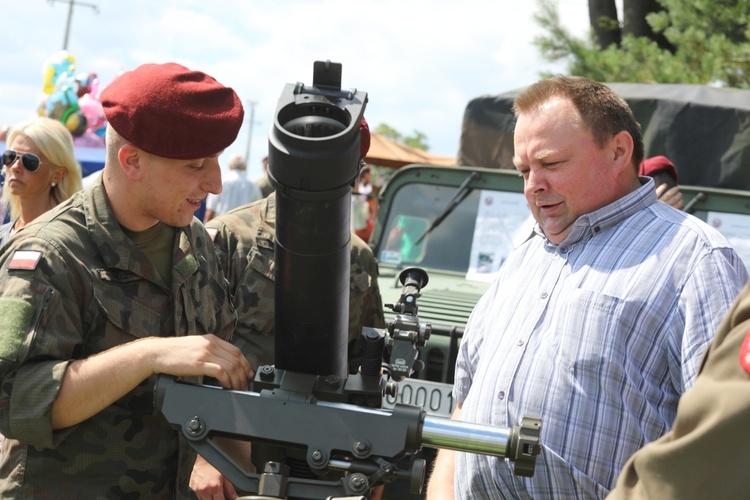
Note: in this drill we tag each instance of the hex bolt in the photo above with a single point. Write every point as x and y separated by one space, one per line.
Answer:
332 381
267 372
317 457
357 482
361 448
195 426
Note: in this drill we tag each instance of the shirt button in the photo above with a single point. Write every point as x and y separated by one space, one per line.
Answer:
501 395
544 295
563 250
520 342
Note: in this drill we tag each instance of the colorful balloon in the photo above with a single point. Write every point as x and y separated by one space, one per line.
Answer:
61 84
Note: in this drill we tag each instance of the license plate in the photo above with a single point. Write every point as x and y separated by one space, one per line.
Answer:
435 398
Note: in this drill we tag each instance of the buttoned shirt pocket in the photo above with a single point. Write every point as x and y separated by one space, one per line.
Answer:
592 352
578 345
133 306
585 332
129 308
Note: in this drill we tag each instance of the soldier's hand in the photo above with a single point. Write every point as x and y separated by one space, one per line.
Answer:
672 196
208 483
206 355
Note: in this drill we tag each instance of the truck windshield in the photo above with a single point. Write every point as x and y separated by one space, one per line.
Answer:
474 238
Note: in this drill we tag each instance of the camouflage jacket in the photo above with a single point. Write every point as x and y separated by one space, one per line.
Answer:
73 285
244 239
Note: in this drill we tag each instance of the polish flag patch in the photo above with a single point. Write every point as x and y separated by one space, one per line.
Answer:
25 259
212 232
745 353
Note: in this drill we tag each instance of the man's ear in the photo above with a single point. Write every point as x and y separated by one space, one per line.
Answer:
622 151
130 161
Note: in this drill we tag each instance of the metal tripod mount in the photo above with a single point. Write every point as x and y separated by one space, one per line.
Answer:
316 430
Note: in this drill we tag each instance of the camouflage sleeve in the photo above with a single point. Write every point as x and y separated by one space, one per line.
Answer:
375 316
365 303
245 248
41 323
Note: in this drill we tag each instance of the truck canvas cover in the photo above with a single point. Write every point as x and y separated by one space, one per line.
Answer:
704 130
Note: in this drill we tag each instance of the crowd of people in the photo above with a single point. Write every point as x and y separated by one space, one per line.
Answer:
622 322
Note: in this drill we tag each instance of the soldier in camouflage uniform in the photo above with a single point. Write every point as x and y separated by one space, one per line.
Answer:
244 240
109 289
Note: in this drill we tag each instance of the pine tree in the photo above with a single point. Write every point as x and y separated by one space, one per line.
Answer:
687 41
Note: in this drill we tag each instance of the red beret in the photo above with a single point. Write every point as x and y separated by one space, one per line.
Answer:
173 112
364 138
655 164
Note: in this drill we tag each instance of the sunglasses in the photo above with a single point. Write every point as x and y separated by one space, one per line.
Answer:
29 161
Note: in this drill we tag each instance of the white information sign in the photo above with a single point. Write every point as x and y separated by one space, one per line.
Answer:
736 229
504 221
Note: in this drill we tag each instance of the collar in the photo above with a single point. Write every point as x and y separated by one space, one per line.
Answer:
591 224
270 215
267 227
117 251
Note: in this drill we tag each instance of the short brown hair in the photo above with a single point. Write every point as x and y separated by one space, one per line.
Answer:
603 112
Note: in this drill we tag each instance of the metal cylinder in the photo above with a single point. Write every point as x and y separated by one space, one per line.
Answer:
314 148
464 436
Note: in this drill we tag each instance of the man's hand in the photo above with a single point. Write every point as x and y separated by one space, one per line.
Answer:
441 481
208 483
672 196
205 355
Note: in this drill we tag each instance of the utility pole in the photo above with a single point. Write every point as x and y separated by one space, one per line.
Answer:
71 3
251 125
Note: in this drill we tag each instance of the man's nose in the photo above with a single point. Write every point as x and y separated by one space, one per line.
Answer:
212 181
535 181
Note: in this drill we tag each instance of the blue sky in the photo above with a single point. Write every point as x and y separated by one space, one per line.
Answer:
420 61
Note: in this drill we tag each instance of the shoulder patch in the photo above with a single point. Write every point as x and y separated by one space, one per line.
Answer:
25 259
745 353
212 232
15 319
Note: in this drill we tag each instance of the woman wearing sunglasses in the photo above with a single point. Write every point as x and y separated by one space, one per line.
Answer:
40 171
